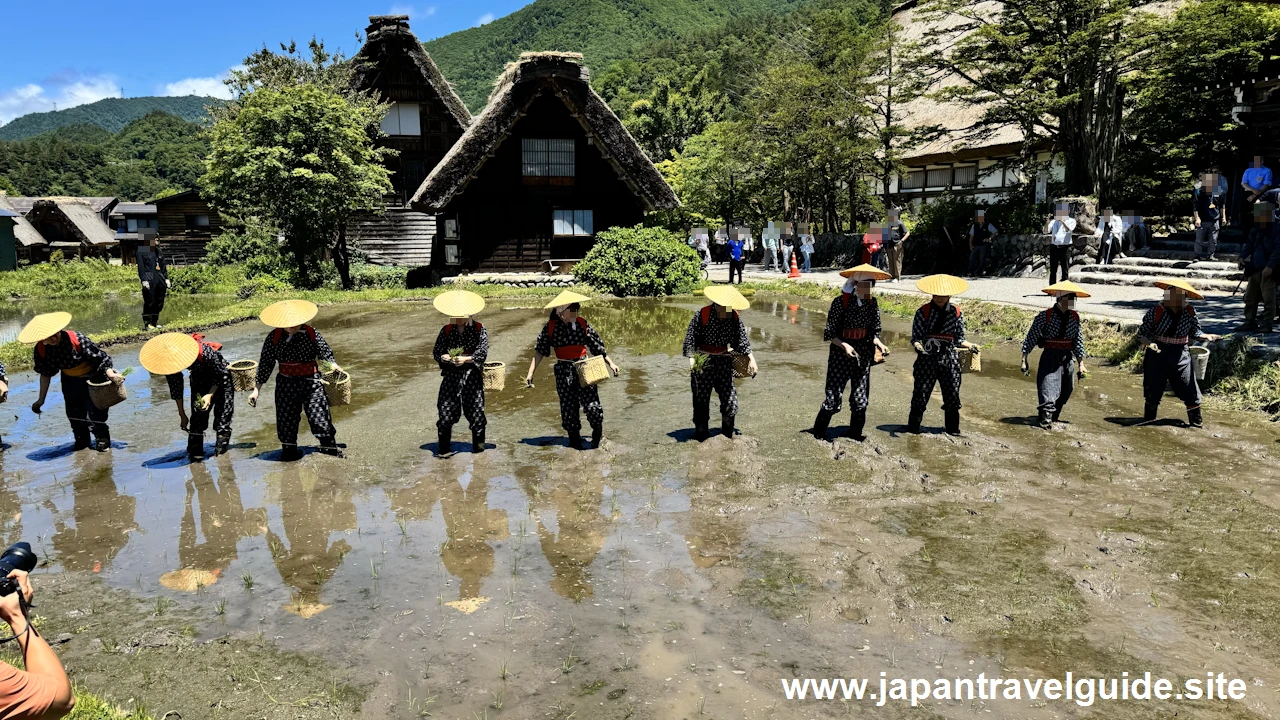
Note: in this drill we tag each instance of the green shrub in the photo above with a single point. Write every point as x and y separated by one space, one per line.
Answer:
374 277
69 277
640 261
262 284
192 279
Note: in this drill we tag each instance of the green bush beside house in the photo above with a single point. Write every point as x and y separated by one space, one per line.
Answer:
640 261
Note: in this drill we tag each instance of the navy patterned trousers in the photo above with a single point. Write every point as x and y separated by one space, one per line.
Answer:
295 395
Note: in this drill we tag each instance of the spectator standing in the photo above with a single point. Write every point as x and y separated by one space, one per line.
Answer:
771 236
1135 232
1110 234
700 237
981 235
788 246
894 244
153 273
1059 230
737 258
1255 182
806 246
42 690
1206 210
1258 259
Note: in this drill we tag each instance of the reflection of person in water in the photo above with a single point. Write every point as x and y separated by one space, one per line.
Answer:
223 520
311 509
581 532
10 511
470 525
102 518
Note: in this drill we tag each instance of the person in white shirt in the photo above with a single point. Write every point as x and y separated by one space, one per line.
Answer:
806 247
700 236
1059 229
1110 234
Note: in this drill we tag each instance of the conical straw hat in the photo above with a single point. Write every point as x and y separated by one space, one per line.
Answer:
568 297
1174 282
1065 287
288 313
865 272
947 285
42 326
458 303
726 296
169 353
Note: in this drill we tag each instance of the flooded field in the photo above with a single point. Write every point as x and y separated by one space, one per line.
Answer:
656 577
113 312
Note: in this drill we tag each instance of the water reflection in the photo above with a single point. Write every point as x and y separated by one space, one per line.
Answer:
112 311
222 521
312 508
101 517
10 510
580 530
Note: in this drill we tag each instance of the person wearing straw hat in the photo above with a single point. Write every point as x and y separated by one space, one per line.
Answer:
79 360
715 331
570 337
1057 331
936 332
298 348
1166 332
211 387
462 383
853 331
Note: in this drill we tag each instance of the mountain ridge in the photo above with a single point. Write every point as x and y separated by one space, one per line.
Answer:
110 114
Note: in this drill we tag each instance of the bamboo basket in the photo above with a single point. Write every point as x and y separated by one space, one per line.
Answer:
741 366
107 393
495 376
970 361
337 387
877 356
244 374
591 371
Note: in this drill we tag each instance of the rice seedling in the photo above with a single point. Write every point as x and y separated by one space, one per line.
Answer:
699 362
498 697
455 353
373 569
220 607
126 372
570 660
246 577
404 526
162 605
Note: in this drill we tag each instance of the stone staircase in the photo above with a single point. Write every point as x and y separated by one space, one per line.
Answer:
1181 245
1224 276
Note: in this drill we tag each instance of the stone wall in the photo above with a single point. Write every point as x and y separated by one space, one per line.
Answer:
523 280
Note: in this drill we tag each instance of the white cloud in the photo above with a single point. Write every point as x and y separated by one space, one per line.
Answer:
60 96
414 13
484 19
206 86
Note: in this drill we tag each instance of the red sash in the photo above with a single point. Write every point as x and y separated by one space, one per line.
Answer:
296 369
568 352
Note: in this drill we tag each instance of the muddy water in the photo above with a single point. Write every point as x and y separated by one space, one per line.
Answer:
658 577
112 312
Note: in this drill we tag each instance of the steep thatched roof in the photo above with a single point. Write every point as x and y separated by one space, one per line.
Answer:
389 36
519 85
82 220
23 231
97 204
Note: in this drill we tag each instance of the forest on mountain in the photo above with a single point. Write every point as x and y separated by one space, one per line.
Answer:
110 114
153 154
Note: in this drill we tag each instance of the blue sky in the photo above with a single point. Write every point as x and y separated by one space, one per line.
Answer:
147 47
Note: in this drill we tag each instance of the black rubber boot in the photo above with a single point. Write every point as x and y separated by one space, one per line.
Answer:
857 421
1057 414
1194 417
195 446
1046 419
103 436
726 426
821 423
477 441
222 445
701 432
913 422
81 434
329 446
290 453
953 421
575 440
1149 412
597 436
444 443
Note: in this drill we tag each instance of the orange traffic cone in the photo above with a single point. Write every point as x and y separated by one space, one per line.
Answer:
795 269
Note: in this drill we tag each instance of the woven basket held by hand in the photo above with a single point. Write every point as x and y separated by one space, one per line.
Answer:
970 361
107 393
243 374
337 387
495 376
591 371
741 366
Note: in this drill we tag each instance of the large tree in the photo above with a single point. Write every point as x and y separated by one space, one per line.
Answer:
296 148
1054 69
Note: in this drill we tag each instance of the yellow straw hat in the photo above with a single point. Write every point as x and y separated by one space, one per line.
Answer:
568 297
169 353
1175 283
288 313
726 296
947 285
1065 287
458 303
865 272
42 326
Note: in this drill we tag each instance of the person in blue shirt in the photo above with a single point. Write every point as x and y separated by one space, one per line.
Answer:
737 260
1207 203
1255 181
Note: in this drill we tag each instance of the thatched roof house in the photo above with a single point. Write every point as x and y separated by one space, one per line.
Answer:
24 232
425 119
73 226
545 164
100 205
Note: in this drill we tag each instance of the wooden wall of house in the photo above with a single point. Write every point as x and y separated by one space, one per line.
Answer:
506 224
400 81
171 219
